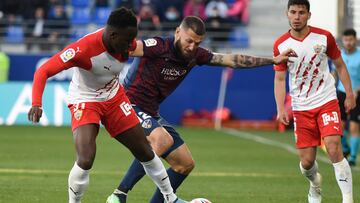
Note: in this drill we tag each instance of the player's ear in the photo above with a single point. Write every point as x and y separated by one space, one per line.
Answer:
112 34
309 15
177 31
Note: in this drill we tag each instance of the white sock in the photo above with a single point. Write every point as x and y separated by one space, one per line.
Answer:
78 182
311 174
156 170
344 179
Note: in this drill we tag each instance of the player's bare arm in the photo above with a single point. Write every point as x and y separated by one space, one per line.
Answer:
344 77
280 92
246 61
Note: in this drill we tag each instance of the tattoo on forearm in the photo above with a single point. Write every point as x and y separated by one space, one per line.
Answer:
217 59
250 61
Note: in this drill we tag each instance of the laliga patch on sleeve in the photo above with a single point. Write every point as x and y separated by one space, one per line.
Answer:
150 42
67 55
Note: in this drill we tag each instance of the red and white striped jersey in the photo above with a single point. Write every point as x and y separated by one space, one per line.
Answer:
310 82
96 71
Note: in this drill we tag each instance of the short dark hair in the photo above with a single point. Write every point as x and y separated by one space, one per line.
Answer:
299 2
195 24
122 18
349 32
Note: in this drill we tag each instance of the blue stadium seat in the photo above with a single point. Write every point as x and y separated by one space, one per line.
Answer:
80 16
78 31
101 15
239 38
14 34
80 3
230 2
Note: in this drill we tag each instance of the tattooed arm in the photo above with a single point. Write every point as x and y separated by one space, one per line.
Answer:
245 61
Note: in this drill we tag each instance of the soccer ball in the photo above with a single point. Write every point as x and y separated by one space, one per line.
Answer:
200 200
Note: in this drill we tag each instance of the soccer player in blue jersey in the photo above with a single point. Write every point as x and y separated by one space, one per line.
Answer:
162 66
351 56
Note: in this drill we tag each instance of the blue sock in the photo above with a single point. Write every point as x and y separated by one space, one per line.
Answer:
175 179
354 147
344 142
132 176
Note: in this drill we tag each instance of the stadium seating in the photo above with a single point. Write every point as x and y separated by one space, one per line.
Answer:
78 31
14 34
80 3
80 16
239 38
101 14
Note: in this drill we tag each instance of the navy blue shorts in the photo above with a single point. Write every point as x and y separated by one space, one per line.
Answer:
354 113
149 123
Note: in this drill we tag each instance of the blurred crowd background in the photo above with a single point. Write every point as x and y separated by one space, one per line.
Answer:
48 25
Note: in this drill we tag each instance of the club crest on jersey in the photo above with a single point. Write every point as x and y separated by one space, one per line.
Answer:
318 49
67 55
77 114
150 42
146 124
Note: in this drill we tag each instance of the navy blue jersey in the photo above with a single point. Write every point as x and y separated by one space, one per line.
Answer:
156 75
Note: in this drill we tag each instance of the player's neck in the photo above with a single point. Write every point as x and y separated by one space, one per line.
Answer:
301 34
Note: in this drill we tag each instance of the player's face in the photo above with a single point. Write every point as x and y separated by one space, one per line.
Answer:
187 42
349 42
298 16
121 40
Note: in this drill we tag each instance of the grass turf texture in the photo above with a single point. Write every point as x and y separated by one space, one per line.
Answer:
35 162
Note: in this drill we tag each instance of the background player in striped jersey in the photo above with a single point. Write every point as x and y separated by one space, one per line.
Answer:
163 65
314 102
95 95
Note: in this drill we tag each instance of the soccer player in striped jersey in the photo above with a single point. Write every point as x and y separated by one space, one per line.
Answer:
315 106
95 96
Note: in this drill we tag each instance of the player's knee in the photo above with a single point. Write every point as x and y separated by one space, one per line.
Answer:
307 163
85 163
161 142
186 168
145 154
334 151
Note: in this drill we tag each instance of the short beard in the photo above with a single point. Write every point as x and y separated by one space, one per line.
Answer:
178 49
298 29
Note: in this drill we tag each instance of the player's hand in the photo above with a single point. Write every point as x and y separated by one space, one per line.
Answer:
284 56
35 114
349 102
283 117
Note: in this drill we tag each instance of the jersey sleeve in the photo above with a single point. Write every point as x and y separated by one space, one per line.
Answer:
203 56
153 47
276 52
72 56
332 49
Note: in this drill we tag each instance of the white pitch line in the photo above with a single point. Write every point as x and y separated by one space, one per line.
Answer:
196 174
266 141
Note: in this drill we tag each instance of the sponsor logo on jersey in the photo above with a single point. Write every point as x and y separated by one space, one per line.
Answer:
147 124
150 42
172 73
67 55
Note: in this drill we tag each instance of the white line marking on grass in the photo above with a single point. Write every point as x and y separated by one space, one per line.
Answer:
266 141
196 174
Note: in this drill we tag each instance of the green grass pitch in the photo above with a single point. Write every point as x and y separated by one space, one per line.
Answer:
245 167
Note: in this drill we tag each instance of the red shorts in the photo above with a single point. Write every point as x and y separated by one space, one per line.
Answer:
312 125
116 114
